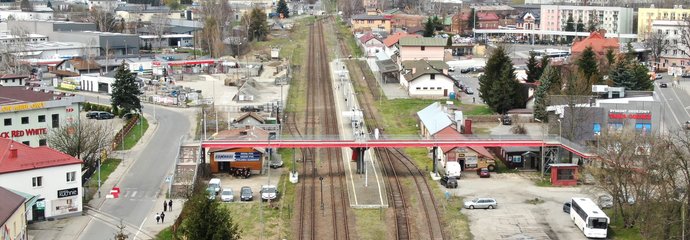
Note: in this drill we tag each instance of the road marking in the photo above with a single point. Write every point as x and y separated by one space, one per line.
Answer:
681 103
669 108
140 225
133 194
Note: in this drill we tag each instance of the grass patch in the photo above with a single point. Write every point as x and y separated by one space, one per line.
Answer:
543 182
249 217
534 201
66 89
135 134
370 224
166 234
502 168
457 225
107 167
400 115
476 109
349 39
617 231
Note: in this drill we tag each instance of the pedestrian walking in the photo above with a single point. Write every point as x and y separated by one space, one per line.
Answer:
158 218
162 217
165 206
473 100
170 205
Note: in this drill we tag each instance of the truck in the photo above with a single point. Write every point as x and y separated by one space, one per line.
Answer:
453 169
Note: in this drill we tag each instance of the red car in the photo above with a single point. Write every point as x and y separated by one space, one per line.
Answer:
484 173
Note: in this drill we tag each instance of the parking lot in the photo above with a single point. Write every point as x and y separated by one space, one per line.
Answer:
255 182
516 217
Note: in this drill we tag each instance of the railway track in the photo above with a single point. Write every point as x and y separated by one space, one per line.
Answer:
398 165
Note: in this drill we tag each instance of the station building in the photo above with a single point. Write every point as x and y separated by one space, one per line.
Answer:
51 176
29 114
222 159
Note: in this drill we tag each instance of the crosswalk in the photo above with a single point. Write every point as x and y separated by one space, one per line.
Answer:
138 194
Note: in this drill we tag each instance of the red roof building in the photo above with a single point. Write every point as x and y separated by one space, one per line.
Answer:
485 20
598 42
467 156
19 157
394 38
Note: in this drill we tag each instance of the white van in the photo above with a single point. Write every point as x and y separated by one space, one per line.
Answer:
453 169
215 184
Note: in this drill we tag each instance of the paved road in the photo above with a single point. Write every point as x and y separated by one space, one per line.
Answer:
142 183
675 100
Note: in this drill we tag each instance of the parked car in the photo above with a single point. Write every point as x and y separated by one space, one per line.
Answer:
663 85
92 115
211 193
605 201
488 203
250 109
105 115
469 90
226 195
451 69
658 76
478 69
465 70
484 173
276 163
687 125
685 75
269 192
215 184
246 194
506 120
566 207
449 182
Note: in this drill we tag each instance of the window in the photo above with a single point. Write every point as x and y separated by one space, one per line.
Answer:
27 143
42 142
25 120
419 88
71 176
422 48
56 120
432 76
8 122
37 181
565 174
643 127
41 118
596 128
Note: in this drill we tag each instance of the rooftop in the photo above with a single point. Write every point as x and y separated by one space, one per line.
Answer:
597 41
19 95
10 203
394 38
369 17
434 118
422 67
423 41
16 157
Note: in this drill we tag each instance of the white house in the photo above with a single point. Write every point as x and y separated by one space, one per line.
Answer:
96 83
28 115
371 45
426 79
54 177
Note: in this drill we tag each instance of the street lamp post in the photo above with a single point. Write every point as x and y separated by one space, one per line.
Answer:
321 179
543 144
560 136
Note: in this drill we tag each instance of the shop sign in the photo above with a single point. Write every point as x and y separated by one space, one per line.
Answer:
24 133
236 156
22 107
40 205
630 114
68 192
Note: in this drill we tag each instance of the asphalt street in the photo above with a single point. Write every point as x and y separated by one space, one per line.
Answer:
142 183
675 100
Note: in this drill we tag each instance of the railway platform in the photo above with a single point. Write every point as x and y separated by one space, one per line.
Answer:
367 189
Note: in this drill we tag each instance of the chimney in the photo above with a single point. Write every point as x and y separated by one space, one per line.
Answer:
414 70
13 153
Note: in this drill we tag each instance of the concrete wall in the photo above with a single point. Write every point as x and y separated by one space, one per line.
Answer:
416 53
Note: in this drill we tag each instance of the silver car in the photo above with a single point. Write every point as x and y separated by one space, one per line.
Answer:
489 203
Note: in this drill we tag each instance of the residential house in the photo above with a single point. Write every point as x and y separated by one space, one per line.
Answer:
467 157
76 66
364 22
13 80
413 48
145 13
105 5
53 176
671 32
613 19
12 217
647 16
407 21
484 20
370 44
600 44
529 20
391 42
433 119
426 79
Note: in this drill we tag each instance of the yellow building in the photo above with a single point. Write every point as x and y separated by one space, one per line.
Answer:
365 22
645 17
12 218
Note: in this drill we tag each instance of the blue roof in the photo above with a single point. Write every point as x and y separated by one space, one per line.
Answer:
434 118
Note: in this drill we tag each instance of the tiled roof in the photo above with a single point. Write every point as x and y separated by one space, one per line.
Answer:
598 43
82 64
393 39
366 37
452 133
369 17
433 118
252 115
28 158
422 67
13 76
18 95
10 203
423 41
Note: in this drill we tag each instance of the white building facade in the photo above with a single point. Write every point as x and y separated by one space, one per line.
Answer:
613 19
675 54
57 182
29 115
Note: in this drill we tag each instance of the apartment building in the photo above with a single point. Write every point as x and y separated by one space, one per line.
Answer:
647 16
675 55
612 19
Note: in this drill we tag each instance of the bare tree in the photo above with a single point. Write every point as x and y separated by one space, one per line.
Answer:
657 43
84 140
216 15
105 21
10 53
158 26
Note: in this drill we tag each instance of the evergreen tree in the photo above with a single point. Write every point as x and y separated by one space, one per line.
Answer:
498 86
542 66
548 81
610 57
26 6
587 64
125 90
630 53
640 76
532 68
471 19
591 26
207 219
570 27
258 27
438 24
580 25
49 5
621 77
428 28
283 9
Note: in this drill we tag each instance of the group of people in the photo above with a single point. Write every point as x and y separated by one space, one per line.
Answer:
167 206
